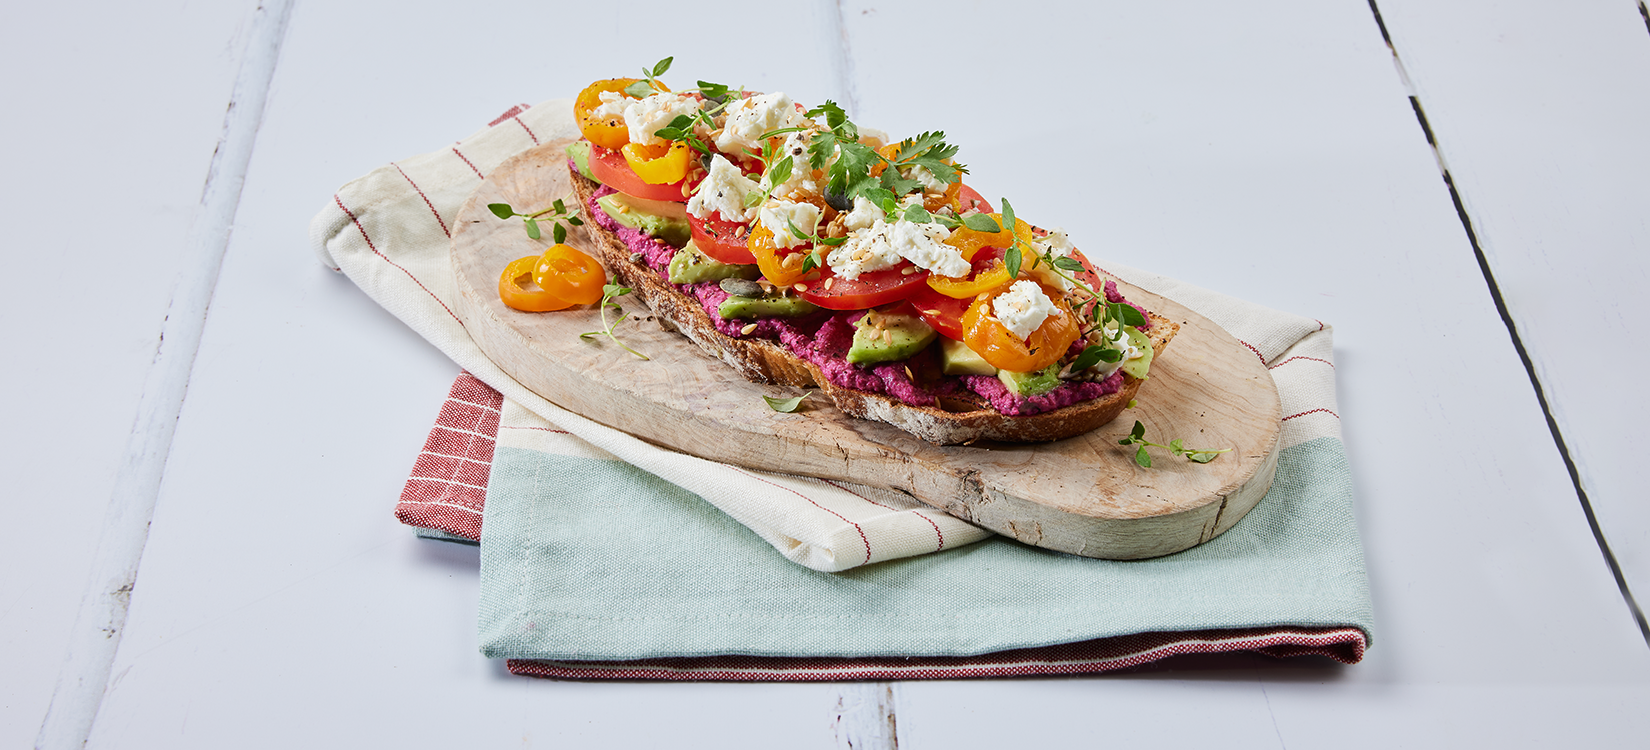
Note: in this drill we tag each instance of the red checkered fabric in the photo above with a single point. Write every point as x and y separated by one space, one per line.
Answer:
1345 645
448 485
448 488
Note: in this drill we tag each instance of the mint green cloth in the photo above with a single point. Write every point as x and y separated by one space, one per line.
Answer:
583 559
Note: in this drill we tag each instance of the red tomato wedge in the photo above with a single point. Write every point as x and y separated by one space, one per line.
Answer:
611 169
945 313
1088 275
723 241
834 292
968 199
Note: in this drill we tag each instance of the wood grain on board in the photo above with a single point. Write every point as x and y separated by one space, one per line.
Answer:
1084 495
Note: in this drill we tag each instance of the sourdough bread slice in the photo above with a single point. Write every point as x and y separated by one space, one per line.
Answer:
952 421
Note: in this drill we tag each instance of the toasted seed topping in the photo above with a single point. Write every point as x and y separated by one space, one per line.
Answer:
800 287
829 282
748 330
908 373
908 271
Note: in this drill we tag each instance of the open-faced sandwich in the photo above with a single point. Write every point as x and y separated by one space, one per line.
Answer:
805 251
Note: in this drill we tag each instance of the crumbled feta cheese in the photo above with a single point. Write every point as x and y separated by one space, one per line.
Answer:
801 177
647 115
931 183
1023 308
1055 245
749 118
864 215
723 192
883 245
778 215
613 104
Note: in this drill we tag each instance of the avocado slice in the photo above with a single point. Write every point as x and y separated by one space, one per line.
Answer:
735 307
1138 366
957 359
662 219
1030 384
888 337
689 266
579 152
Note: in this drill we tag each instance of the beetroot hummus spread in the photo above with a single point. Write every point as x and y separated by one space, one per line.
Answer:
823 338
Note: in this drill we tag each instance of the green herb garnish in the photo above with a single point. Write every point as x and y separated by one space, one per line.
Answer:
610 291
784 405
1138 437
556 214
643 88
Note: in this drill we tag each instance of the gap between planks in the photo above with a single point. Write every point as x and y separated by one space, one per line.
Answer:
1512 327
102 615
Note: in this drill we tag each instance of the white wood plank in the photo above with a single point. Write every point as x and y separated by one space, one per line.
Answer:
1268 149
277 585
1540 112
111 136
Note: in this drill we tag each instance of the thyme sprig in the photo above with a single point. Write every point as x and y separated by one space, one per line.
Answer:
1195 455
609 291
556 214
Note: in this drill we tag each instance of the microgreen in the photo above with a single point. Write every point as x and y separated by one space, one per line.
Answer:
556 214
1138 437
784 405
609 291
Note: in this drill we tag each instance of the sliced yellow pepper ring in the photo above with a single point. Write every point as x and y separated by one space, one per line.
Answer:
607 132
968 241
570 274
518 290
659 164
780 270
986 280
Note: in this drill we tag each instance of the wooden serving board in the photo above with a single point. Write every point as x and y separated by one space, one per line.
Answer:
1084 495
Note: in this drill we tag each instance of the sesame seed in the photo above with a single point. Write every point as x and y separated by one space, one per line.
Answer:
908 271
800 287
748 330
829 282
908 373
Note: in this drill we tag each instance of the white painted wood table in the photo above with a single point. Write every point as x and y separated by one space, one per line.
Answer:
1460 188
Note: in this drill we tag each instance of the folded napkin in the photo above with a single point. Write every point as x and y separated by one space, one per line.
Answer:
606 556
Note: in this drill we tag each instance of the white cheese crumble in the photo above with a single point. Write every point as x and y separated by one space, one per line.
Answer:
723 192
801 178
778 215
1023 308
883 245
644 116
864 216
931 183
1057 245
749 118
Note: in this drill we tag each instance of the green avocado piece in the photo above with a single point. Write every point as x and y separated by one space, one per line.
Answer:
579 152
888 337
689 266
957 359
1029 384
1138 366
735 307
662 219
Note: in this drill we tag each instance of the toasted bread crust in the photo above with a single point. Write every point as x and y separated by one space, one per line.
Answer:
766 361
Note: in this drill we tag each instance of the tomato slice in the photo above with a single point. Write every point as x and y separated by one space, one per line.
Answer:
970 200
721 240
612 170
944 313
514 288
988 274
570 274
996 344
834 292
